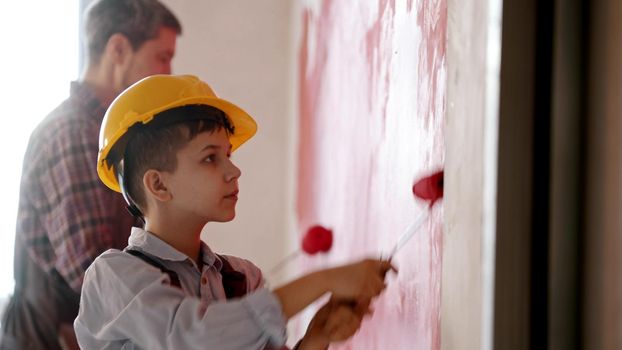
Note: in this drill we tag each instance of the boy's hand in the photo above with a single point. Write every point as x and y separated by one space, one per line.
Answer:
355 282
335 321
362 280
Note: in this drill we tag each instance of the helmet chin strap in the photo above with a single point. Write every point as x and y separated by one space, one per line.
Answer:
131 207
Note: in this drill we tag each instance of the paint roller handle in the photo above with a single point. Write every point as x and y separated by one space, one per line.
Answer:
430 189
408 233
283 262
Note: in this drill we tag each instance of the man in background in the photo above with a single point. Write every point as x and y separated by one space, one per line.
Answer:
66 217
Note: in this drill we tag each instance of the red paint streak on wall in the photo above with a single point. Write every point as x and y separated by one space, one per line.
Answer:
432 19
372 95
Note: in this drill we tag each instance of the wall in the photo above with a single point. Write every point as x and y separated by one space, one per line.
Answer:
473 60
372 101
242 49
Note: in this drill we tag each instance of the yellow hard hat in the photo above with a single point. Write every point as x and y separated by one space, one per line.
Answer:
140 102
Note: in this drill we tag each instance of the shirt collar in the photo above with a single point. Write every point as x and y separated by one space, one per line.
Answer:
149 243
84 96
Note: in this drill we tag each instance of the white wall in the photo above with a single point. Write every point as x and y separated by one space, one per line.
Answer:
243 49
471 134
23 66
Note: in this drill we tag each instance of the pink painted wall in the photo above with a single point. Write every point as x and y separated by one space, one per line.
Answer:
372 101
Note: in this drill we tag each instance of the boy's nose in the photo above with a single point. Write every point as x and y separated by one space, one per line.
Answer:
233 172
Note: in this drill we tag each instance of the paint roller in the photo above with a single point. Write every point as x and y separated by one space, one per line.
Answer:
319 238
430 189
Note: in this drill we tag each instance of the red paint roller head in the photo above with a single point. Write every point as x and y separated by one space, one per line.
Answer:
430 188
317 239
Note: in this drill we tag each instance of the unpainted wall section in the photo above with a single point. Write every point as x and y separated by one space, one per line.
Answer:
242 48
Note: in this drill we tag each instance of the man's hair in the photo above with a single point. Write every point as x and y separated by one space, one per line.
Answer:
138 20
155 145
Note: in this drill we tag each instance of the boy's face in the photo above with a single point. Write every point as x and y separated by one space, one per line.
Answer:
205 184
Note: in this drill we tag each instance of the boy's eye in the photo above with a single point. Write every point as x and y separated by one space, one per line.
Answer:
210 159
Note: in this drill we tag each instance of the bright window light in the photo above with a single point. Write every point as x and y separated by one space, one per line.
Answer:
39 58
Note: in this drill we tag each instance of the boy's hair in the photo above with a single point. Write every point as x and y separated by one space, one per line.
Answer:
155 145
138 20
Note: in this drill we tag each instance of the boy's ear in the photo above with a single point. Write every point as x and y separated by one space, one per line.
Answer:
155 186
118 48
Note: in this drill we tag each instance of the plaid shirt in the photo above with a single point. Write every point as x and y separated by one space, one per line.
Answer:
66 215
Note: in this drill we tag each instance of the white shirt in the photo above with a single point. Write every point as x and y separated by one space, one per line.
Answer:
129 304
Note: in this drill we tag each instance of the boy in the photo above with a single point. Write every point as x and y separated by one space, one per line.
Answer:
165 144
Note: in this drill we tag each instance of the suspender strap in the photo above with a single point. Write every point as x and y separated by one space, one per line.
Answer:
151 261
233 282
